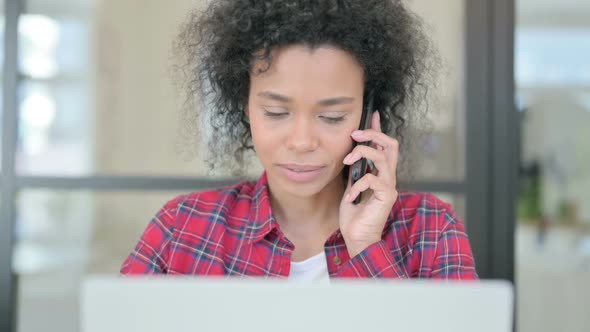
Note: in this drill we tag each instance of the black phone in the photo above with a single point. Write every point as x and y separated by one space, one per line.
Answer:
359 168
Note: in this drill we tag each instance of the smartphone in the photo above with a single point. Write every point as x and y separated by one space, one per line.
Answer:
359 168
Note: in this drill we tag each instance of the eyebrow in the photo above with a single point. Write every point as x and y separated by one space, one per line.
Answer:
322 102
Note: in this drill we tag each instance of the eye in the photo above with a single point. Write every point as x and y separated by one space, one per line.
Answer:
275 115
332 120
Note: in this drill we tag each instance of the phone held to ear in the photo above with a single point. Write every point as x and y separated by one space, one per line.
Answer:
359 168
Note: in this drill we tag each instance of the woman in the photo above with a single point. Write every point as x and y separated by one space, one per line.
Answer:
288 80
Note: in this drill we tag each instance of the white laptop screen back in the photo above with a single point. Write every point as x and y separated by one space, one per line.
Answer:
244 305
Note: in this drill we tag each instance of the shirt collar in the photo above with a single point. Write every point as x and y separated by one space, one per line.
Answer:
260 218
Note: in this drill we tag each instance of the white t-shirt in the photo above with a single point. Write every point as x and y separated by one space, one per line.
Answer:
312 269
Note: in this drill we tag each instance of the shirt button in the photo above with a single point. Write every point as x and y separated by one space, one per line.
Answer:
337 260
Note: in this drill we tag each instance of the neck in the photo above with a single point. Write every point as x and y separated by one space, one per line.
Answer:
308 213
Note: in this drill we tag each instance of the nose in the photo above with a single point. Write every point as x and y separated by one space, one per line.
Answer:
302 136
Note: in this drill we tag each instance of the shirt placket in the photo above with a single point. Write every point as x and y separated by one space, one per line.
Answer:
336 254
283 249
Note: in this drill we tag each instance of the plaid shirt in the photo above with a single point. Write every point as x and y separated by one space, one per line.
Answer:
231 231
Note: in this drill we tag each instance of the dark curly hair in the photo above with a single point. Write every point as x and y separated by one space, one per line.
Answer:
217 46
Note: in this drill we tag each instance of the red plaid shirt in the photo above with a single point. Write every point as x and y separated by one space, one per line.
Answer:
231 231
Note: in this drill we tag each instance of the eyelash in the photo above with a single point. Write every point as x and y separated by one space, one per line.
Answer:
327 119
333 120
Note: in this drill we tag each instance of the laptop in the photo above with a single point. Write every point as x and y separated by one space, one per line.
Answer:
262 305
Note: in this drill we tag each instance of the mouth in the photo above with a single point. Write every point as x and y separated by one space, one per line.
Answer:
301 168
301 173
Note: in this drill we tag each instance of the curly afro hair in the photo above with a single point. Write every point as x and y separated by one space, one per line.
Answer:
217 45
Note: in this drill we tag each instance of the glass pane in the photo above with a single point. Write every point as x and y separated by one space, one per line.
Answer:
66 236
553 227
51 143
442 154
87 100
105 112
55 134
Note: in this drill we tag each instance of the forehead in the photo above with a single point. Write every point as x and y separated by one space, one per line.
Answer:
300 66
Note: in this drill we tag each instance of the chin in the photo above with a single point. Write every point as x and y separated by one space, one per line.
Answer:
303 189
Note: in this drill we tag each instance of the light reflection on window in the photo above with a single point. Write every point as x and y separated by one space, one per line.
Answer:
55 96
552 56
39 36
37 117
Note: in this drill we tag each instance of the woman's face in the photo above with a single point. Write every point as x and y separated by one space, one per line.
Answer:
302 111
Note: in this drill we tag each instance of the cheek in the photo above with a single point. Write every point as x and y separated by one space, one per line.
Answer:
263 138
339 146
257 129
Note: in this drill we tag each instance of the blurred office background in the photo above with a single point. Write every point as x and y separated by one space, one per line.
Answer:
552 75
94 153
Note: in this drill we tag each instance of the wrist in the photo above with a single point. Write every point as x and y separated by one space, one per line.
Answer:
356 247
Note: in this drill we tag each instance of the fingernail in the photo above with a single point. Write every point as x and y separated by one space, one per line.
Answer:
347 159
357 133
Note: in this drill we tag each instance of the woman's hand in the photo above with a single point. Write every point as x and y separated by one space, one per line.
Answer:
362 225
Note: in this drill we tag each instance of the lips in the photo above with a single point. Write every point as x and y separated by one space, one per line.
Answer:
301 173
301 168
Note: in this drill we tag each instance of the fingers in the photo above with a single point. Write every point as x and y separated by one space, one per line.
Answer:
381 190
376 137
385 166
363 151
383 152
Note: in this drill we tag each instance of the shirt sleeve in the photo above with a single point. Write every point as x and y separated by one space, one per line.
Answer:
453 258
376 261
151 253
